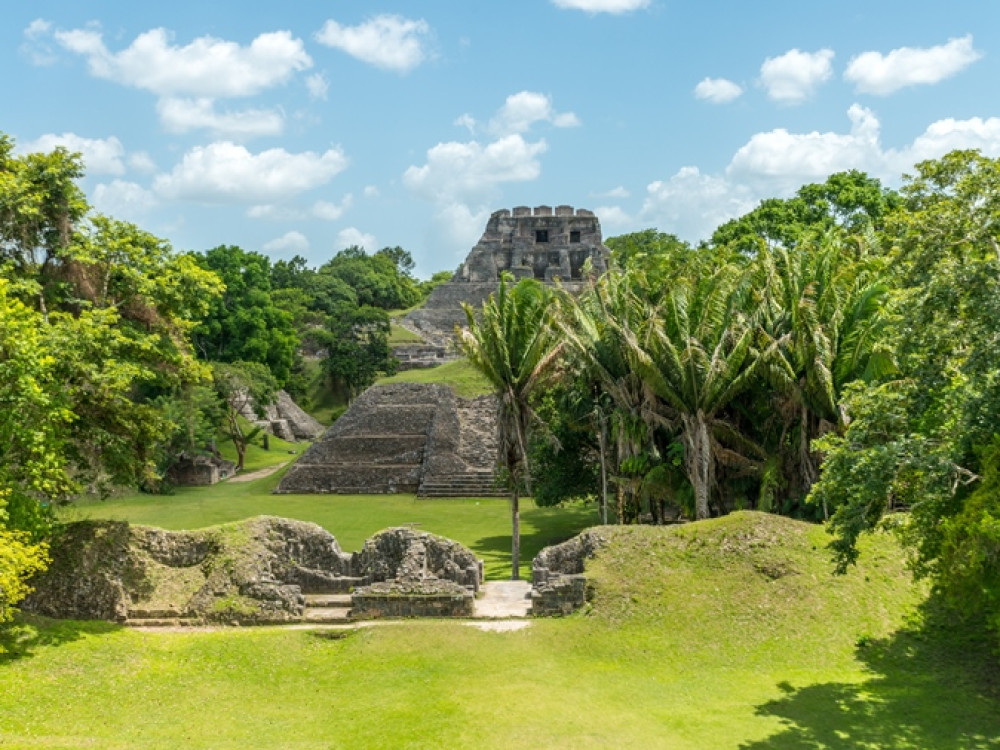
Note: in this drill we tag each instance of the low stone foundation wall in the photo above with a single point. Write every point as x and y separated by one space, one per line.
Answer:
558 584
563 595
433 598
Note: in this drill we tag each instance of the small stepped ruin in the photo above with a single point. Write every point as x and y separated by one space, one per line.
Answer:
403 437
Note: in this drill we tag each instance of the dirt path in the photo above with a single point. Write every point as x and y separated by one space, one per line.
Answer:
259 474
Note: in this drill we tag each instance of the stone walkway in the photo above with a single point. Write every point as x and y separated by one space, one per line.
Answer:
503 599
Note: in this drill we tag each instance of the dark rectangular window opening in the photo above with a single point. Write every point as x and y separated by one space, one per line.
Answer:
574 236
541 235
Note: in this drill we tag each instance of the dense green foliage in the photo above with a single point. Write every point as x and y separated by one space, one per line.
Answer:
245 323
924 439
95 319
341 310
829 355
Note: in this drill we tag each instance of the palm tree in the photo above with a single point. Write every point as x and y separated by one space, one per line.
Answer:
697 358
597 327
513 345
824 302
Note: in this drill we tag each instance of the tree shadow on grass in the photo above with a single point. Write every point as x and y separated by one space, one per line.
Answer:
935 686
539 529
22 637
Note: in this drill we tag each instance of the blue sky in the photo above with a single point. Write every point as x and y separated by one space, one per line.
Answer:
302 128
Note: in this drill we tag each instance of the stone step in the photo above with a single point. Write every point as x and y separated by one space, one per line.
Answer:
326 614
339 585
142 613
163 622
328 600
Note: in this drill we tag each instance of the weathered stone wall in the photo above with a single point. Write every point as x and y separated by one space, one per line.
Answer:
539 244
558 584
254 571
412 599
405 554
196 471
284 419
247 572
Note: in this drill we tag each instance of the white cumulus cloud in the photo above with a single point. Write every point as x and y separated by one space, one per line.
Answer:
289 242
184 115
717 90
206 67
352 236
522 110
141 161
323 210
776 163
123 200
691 204
602 6
100 155
469 169
792 77
875 73
37 45
801 157
228 172
318 86
949 134
386 41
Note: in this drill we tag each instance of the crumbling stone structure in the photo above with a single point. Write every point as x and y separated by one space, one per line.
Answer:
284 419
258 571
196 471
415 574
403 437
559 586
542 243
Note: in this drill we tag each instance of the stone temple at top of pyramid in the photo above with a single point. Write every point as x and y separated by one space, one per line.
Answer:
541 243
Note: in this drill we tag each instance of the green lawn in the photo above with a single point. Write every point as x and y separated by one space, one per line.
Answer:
724 634
400 335
466 381
482 524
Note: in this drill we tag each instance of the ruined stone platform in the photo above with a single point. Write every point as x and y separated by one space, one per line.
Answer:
403 437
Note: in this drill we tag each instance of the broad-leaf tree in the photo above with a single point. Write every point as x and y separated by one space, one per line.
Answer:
245 388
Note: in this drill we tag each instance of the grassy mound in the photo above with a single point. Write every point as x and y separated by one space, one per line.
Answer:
731 633
464 379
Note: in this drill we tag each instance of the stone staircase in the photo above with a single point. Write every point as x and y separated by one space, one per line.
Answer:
327 608
329 600
159 618
467 484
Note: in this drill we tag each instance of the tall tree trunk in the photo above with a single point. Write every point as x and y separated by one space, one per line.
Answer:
515 542
807 464
602 439
698 460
